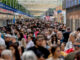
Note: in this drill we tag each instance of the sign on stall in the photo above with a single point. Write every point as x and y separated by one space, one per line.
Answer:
5 11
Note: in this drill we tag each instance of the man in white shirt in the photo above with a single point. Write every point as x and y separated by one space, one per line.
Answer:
30 43
1 39
2 44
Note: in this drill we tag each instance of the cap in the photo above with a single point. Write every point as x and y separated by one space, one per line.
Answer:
7 35
13 36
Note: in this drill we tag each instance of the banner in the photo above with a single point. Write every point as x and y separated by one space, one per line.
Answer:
4 6
8 8
14 20
5 11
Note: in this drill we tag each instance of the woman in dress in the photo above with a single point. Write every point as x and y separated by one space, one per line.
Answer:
55 53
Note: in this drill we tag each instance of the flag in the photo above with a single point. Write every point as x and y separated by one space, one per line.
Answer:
14 20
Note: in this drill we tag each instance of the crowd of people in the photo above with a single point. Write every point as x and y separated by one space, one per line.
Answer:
36 39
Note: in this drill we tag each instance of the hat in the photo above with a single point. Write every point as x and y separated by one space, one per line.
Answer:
13 36
7 35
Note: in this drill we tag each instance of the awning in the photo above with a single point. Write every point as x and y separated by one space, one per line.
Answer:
4 6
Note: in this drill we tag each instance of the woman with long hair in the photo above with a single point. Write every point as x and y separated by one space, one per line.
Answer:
15 51
56 55
54 39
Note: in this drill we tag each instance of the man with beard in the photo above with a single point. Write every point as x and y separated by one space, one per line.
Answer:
41 52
